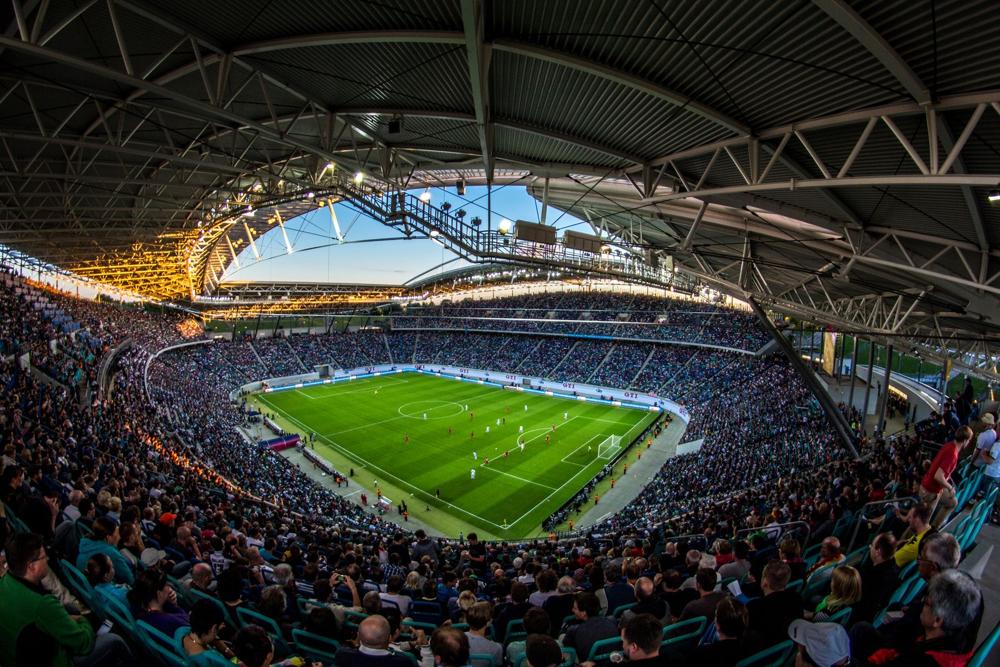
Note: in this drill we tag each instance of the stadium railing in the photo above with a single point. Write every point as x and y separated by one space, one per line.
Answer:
871 510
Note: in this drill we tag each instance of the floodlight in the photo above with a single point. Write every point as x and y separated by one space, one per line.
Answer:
310 194
425 196
358 177
504 227
994 196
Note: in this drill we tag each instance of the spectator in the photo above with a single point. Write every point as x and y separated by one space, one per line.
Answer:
536 622
730 645
373 646
478 618
739 567
820 644
936 487
542 651
648 602
207 621
33 623
790 552
517 608
771 614
950 618
560 605
101 575
918 522
616 589
845 592
829 557
393 594
450 647
879 578
708 597
154 601
591 627
641 637
546 582
104 540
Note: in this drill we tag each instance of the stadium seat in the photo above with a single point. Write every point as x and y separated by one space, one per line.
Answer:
515 631
796 585
109 607
602 650
196 595
314 646
426 612
776 656
695 625
78 583
208 659
568 654
482 660
251 617
985 649
622 608
843 617
151 635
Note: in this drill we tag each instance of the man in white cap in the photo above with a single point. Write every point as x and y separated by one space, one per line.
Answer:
820 644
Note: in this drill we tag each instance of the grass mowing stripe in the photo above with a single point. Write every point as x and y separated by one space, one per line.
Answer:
415 434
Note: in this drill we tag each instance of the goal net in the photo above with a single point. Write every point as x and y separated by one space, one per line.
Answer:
610 446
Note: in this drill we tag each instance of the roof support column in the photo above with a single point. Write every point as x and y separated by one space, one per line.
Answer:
479 69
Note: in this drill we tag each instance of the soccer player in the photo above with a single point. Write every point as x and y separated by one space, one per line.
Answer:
547 437
565 416
449 430
525 407
521 445
498 421
425 415
472 434
520 429
472 473
487 429
475 456
486 461
406 439
506 453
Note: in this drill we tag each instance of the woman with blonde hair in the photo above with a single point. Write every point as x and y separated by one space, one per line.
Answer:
845 591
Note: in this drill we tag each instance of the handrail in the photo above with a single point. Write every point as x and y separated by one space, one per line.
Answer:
780 528
863 514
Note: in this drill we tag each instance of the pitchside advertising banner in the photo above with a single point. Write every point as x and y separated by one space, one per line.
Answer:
581 392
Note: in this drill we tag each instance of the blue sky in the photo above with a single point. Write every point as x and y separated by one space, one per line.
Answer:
372 253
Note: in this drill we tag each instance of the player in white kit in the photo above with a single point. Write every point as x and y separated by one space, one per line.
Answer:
472 473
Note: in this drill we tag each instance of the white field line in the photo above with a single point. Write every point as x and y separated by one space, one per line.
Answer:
546 498
338 393
574 463
385 473
527 481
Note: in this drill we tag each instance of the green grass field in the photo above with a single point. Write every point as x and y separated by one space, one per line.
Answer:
368 421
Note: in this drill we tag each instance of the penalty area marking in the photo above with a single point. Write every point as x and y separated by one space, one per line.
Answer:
574 463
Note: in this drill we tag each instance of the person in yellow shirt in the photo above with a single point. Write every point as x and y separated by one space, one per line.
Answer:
918 520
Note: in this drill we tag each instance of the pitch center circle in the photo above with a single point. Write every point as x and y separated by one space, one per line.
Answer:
417 409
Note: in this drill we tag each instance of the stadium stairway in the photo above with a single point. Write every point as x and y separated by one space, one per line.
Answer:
639 475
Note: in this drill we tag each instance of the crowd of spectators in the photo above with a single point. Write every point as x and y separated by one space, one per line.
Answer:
163 506
279 357
596 313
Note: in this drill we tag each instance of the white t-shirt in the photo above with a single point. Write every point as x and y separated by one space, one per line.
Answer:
985 441
993 469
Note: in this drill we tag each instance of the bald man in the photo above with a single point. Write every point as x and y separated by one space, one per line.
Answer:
373 646
648 601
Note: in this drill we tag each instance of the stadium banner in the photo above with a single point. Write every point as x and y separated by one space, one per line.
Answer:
829 351
574 390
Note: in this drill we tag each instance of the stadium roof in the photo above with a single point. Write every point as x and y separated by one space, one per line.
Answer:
843 151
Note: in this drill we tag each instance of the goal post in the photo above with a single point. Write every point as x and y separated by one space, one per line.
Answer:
610 446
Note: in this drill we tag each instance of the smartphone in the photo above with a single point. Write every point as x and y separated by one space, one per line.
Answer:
105 628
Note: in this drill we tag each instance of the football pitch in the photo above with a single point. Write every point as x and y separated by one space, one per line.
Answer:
421 435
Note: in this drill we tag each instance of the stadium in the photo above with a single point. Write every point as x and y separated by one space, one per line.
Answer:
485 333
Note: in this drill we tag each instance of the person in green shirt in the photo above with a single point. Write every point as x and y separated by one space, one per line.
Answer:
35 627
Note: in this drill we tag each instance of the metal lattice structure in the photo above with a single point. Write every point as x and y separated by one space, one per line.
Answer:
831 158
